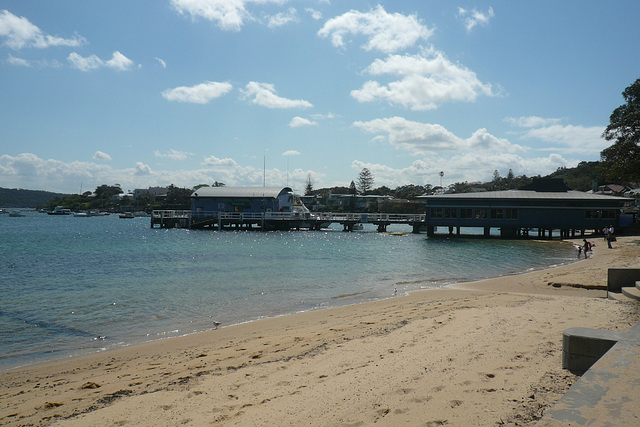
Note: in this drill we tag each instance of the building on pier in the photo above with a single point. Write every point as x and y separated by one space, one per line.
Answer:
245 207
242 199
541 207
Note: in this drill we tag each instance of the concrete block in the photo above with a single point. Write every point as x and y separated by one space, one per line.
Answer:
617 278
582 347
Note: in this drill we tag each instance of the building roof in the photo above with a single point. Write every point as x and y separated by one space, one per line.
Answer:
244 192
528 194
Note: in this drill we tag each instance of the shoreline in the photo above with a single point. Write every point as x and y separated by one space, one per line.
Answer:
453 354
112 344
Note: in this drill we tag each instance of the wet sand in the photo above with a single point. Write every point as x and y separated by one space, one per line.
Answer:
481 353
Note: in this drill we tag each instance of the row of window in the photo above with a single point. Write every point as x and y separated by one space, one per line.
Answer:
504 213
478 213
605 214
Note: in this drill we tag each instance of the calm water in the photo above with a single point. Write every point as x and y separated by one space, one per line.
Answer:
64 281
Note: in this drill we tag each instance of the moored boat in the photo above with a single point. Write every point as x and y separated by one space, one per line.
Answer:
59 210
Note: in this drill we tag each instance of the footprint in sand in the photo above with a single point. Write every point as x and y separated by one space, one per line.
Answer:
455 403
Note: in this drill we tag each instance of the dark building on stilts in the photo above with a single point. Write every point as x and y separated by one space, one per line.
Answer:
545 207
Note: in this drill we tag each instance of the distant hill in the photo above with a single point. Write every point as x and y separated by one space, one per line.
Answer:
18 198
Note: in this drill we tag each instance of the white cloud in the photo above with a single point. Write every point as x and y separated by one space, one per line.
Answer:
462 167
119 62
214 161
283 18
85 63
298 122
92 62
426 81
29 171
315 14
531 121
384 31
19 32
473 17
142 169
173 154
264 94
323 116
291 153
570 139
198 94
425 138
20 62
228 14
567 139
99 155
161 62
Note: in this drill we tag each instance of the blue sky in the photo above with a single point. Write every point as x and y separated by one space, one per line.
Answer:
185 92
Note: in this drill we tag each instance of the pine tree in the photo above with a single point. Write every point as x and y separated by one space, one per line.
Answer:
365 181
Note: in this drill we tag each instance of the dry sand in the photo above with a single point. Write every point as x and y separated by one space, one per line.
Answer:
485 353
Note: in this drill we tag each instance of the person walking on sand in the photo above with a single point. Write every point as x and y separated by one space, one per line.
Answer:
586 248
609 236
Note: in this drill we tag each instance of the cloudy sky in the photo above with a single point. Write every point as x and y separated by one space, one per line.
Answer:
245 92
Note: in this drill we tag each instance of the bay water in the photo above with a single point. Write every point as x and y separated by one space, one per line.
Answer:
72 285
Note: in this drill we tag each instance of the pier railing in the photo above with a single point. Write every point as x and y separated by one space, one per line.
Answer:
186 218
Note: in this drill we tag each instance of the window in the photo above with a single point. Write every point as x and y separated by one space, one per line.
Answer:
450 213
436 212
466 213
511 213
497 213
481 213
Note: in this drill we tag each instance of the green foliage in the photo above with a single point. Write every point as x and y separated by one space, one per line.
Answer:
18 198
365 181
308 187
582 177
621 161
177 198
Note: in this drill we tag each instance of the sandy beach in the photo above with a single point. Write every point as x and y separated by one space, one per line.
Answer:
482 353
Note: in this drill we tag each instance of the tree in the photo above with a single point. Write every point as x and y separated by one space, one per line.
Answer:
365 181
308 187
621 161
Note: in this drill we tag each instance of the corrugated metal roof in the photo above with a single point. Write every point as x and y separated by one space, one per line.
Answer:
527 194
246 192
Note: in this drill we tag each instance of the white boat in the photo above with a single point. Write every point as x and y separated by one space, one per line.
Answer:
81 214
358 227
127 215
299 210
59 210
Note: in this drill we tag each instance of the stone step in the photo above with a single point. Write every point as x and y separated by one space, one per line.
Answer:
631 293
638 284
617 296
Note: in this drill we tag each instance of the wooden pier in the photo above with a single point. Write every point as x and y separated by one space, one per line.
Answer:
280 220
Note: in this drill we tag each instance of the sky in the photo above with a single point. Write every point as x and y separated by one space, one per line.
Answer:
272 92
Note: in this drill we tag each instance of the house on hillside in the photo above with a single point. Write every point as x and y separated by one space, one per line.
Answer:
543 206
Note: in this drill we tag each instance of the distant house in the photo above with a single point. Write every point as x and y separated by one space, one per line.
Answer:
544 206
611 189
241 199
153 192
353 202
